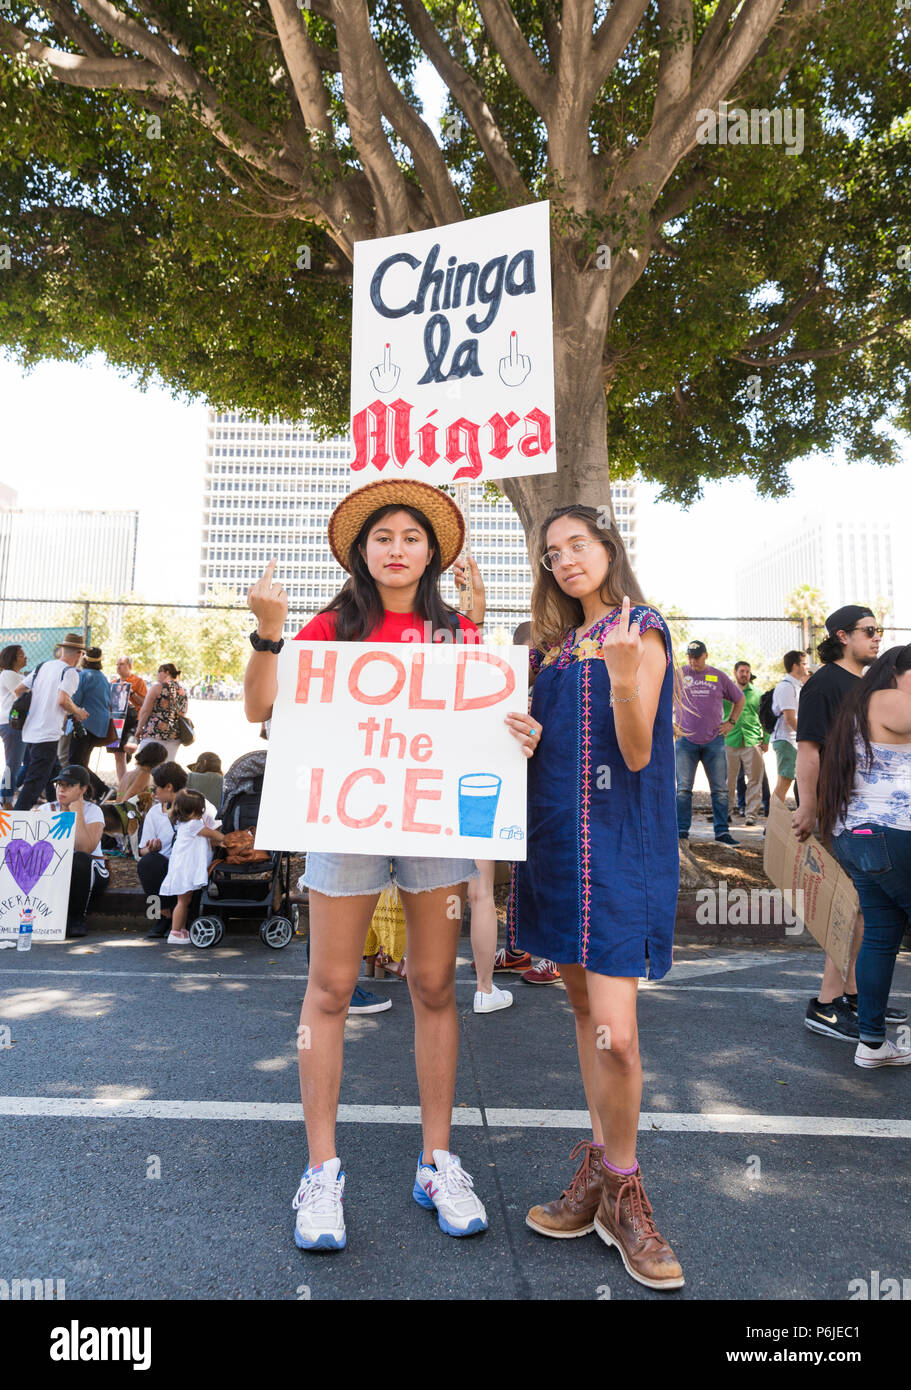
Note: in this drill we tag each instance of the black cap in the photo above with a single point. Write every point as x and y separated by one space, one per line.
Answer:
696 649
843 619
75 775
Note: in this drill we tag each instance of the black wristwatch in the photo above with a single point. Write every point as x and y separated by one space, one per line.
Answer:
262 644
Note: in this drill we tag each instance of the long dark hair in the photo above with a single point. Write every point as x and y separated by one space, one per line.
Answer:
553 612
358 603
9 657
839 758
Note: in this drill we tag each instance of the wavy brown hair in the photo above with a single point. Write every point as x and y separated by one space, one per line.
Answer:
839 756
553 612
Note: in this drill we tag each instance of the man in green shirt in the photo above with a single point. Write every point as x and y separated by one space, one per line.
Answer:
745 745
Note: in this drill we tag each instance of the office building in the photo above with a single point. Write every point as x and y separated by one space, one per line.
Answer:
60 555
270 486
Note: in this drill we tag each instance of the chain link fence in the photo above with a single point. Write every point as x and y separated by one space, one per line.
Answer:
208 642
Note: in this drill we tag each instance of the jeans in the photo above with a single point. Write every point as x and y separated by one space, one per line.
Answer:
880 867
12 754
42 764
712 757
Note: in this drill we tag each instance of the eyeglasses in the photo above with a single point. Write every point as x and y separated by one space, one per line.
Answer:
869 631
552 558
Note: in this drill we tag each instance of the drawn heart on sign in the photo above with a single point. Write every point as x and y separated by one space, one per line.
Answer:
27 862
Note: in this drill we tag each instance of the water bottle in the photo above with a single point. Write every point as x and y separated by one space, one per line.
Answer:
25 930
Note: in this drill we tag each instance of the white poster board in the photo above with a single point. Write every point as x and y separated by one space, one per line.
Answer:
396 748
36 859
452 361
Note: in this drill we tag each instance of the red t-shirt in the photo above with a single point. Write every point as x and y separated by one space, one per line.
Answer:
391 629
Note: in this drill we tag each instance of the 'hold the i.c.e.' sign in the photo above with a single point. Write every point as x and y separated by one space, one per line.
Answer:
396 748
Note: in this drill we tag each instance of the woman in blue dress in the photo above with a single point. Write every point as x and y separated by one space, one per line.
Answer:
598 890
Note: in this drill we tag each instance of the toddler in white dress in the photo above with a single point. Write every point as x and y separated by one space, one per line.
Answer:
195 831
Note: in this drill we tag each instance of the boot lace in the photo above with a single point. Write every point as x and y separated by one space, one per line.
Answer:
640 1207
585 1172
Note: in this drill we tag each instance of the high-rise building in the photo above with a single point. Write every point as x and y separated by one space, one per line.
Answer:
849 559
270 486
58 555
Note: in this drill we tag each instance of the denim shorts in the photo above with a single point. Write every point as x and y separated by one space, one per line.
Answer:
348 875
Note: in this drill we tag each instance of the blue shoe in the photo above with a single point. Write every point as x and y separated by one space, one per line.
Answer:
320 1223
445 1186
363 1002
727 839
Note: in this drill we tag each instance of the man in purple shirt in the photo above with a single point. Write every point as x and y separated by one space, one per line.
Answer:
700 729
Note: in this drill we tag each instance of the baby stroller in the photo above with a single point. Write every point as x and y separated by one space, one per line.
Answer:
237 890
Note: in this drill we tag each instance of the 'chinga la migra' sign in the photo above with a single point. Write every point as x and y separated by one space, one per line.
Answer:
452 374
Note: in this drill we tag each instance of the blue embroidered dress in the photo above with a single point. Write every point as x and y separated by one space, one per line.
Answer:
599 886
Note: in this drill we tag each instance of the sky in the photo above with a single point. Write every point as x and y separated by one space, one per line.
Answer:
83 436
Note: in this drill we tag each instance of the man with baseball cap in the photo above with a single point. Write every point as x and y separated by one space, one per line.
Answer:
701 729
53 684
850 646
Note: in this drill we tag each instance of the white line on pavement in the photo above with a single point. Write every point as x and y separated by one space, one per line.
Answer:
710 1123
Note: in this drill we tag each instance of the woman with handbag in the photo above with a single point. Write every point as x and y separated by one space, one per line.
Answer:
163 709
94 694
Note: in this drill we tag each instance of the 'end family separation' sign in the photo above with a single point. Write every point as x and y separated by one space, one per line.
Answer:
396 748
452 363
36 860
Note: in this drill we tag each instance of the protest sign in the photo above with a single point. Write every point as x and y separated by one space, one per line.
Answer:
120 703
452 364
824 897
396 748
36 859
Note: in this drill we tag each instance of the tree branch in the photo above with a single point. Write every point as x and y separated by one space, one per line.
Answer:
470 98
713 34
613 35
675 63
303 65
529 75
74 28
429 162
358 66
817 354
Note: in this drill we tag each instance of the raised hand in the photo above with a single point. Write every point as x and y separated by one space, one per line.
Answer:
514 368
622 651
385 375
269 602
62 825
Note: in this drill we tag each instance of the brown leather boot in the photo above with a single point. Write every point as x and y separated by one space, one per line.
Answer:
572 1213
624 1219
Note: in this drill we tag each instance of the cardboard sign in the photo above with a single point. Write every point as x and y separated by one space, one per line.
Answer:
396 748
452 363
823 895
36 860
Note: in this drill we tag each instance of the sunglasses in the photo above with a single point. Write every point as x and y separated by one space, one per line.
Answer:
869 631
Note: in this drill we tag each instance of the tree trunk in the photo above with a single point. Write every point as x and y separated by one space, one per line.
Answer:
580 307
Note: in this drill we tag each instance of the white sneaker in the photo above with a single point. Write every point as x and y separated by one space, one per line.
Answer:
488 1003
889 1055
320 1222
449 1188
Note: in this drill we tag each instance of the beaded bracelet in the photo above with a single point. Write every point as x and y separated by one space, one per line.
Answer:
628 699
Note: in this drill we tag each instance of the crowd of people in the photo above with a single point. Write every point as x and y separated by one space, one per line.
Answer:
593 902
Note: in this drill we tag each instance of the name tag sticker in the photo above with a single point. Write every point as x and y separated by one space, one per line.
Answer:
711 678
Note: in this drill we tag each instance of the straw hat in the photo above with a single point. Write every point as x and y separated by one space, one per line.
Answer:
439 509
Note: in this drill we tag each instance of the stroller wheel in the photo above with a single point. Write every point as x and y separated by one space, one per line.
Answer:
276 932
298 920
207 931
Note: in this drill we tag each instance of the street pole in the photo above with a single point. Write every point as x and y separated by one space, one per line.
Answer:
466 596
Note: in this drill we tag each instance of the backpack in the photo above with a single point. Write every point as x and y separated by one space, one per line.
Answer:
22 704
767 716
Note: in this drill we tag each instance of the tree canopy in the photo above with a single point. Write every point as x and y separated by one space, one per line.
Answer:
183 184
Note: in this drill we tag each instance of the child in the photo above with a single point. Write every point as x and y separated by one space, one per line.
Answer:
194 833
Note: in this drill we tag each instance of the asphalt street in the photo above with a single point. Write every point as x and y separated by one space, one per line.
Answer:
154 1140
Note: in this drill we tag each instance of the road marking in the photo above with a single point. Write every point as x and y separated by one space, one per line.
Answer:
44 1107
